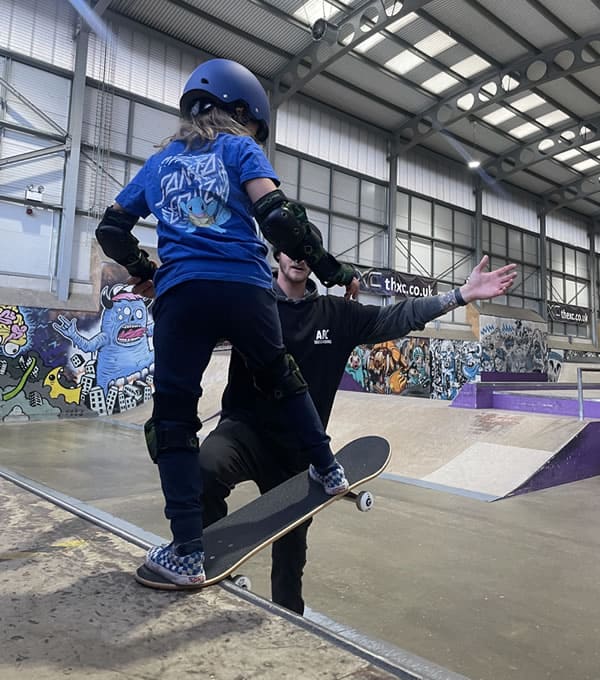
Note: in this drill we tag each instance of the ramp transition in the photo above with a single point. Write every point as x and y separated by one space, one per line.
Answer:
485 453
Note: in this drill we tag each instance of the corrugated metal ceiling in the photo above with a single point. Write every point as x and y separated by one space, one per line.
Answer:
445 47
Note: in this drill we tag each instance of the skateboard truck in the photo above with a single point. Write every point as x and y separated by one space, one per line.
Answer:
242 581
363 499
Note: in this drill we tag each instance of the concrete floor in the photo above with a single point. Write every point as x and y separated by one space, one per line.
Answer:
493 591
69 607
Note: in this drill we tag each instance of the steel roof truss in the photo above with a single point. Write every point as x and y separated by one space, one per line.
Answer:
358 24
544 147
582 189
552 64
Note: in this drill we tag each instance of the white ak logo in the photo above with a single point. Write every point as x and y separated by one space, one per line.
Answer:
322 337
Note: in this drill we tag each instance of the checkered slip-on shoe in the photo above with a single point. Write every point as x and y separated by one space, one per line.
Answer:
333 479
184 570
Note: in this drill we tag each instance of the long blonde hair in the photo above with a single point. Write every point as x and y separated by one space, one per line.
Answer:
203 128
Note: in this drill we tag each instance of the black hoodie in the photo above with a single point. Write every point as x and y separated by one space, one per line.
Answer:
320 331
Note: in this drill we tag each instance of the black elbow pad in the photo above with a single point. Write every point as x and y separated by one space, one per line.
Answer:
115 237
286 227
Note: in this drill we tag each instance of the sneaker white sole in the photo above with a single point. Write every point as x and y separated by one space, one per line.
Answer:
178 579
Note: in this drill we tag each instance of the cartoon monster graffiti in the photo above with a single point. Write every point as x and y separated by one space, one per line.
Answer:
356 365
19 397
470 361
122 346
13 331
386 369
55 381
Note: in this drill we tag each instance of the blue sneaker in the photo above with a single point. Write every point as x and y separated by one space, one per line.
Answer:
333 479
184 570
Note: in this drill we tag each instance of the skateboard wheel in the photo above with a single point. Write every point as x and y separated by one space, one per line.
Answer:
242 581
364 501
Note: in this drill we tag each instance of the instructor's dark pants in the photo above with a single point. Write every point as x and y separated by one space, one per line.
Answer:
189 320
234 452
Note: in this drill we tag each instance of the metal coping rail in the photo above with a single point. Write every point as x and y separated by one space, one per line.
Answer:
388 657
580 371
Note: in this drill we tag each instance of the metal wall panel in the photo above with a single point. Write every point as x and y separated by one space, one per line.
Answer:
48 92
141 63
567 228
27 240
42 29
430 176
318 133
505 205
83 238
97 187
150 127
105 119
45 171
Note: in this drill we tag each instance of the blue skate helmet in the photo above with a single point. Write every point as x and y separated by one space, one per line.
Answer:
228 85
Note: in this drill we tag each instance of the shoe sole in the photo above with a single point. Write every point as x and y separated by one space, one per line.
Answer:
190 582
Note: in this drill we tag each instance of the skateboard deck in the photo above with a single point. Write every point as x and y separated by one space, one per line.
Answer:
235 538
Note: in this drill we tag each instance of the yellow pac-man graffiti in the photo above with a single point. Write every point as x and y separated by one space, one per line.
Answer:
72 395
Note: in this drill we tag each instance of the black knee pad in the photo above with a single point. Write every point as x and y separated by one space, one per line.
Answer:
164 435
281 378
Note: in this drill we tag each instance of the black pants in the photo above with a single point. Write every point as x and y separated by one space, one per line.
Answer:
189 320
234 452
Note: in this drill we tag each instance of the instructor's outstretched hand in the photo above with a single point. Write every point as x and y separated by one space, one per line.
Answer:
483 285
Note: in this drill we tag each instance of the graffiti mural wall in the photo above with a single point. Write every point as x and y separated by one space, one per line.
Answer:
513 346
556 357
453 363
55 363
395 367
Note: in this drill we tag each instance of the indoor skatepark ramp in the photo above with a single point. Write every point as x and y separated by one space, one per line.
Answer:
485 453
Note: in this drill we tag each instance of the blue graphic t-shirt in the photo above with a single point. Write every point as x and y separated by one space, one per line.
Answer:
205 226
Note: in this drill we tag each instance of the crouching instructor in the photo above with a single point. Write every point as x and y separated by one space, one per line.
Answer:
252 443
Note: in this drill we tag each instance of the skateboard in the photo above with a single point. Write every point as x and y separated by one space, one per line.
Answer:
235 538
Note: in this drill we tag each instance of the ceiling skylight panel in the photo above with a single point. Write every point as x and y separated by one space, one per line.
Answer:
566 155
435 44
585 165
439 83
395 26
312 10
527 103
470 66
524 130
552 118
499 116
403 62
591 146
369 43
402 21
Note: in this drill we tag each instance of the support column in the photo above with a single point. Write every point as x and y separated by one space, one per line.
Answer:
392 203
478 191
593 269
271 141
69 198
543 264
